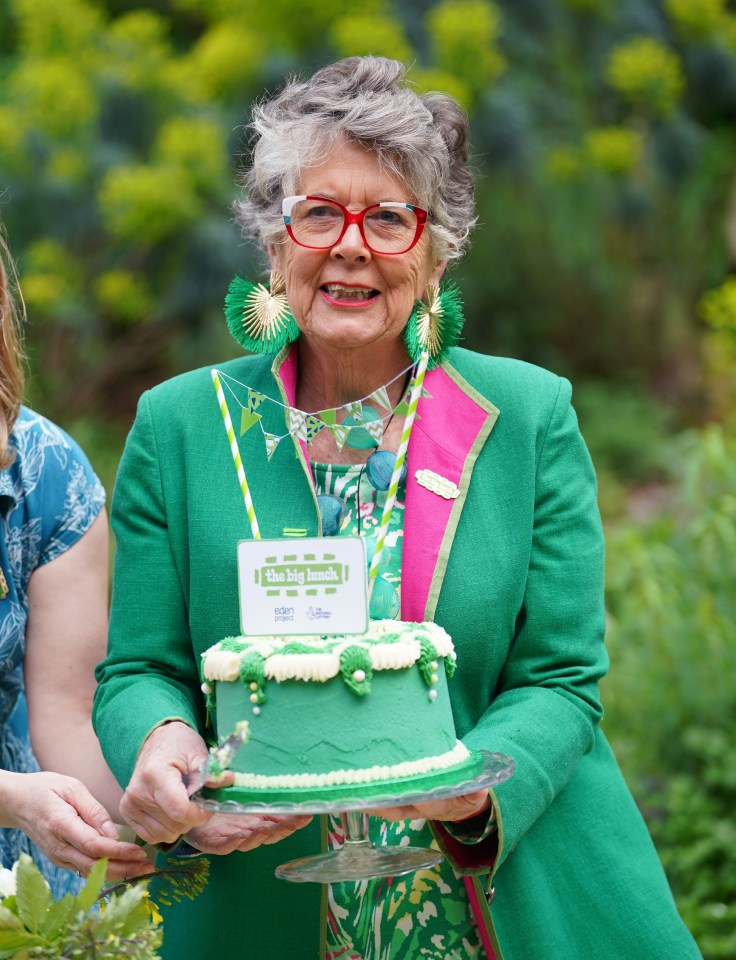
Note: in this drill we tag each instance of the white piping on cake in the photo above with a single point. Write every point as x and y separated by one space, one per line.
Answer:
302 666
408 768
221 665
395 656
324 662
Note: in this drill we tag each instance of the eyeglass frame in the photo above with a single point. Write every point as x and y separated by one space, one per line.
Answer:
288 204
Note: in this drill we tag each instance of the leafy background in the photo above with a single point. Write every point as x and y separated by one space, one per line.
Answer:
604 134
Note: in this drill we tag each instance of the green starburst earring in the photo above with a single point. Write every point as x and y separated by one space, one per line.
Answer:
258 315
435 323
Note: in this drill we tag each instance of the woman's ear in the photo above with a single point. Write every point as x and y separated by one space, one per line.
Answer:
274 256
437 273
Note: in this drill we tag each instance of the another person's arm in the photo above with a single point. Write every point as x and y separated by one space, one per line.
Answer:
65 636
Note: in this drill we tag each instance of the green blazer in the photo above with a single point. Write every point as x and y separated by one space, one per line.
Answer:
513 569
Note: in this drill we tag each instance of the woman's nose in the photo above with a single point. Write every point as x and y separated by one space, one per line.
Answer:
351 246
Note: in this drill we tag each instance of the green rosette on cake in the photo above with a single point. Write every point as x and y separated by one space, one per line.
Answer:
335 718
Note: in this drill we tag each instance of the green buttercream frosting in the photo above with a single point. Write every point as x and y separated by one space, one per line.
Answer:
356 669
253 675
231 645
427 657
294 648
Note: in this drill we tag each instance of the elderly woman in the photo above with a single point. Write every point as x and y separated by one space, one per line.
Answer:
360 192
53 618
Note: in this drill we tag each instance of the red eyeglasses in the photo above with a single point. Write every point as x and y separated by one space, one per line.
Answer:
387 228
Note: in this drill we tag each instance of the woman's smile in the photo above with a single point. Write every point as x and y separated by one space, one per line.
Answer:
348 295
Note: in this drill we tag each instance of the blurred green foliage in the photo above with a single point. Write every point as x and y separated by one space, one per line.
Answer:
691 818
672 605
670 697
647 73
627 432
717 309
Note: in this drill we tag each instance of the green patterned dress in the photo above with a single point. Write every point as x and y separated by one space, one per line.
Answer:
420 915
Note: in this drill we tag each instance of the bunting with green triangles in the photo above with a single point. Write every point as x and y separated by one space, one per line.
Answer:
359 414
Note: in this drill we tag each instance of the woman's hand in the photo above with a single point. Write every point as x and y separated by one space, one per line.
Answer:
225 833
64 820
453 810
156 803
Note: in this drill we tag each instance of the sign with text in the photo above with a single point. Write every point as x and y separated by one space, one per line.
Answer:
314 585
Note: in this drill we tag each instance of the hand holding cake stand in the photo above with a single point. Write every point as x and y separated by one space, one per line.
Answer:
357 858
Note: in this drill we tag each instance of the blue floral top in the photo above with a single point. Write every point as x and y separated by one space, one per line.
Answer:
49 497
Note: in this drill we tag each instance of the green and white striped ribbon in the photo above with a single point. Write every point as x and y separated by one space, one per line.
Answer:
393 487
236 455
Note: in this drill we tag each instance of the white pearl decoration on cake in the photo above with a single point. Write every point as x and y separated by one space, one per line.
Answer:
206 689
254 698
359 676
432 694
256 711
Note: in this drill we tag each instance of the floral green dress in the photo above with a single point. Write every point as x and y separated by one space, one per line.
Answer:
425 914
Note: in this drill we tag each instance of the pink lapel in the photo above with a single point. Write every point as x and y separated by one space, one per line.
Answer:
442 441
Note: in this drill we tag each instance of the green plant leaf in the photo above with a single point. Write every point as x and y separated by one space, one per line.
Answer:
9 947
10 903
9 920
127 912
11 941
31 894
90 892
58 915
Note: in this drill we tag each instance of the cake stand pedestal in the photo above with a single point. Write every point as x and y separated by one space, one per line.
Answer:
358 858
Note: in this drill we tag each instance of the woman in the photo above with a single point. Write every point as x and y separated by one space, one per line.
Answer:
360 192
53 614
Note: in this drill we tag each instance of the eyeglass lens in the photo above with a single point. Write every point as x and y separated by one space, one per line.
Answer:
319 223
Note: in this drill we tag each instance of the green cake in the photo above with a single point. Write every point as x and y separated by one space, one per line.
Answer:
336 717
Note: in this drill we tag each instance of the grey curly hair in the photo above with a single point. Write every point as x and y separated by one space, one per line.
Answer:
422 139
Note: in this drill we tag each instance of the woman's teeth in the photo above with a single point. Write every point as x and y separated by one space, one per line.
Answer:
349 293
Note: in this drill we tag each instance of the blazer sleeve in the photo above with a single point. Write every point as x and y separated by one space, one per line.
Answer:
547 707
150 674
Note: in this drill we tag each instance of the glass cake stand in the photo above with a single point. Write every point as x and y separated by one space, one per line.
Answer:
358 858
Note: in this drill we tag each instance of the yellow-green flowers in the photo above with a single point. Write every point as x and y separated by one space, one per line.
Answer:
648 74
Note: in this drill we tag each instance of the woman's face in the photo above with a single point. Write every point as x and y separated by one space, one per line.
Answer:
318 281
